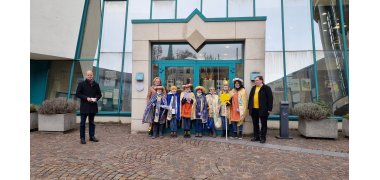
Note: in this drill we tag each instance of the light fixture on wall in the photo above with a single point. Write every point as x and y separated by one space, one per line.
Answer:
324 14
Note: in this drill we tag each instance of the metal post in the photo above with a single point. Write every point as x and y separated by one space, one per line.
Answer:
314 52
283 52
254 8
99 42
345 58
227 8
123 56
151 4
175 9
71 80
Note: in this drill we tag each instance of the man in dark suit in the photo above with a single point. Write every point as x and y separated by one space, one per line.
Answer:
89 93
260 104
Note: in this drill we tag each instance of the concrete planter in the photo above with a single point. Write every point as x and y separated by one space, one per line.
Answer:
345 126
56 122
325 128
33 120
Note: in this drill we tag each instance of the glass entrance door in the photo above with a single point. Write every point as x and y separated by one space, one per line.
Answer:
178 76
213 77
203 73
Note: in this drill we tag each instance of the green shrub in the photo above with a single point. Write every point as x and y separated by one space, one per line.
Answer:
310 111
346 116
33 108
57 106
325 107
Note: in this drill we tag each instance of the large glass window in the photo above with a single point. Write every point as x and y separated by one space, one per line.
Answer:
299 52
233 51
185 7
163 9
331 77
274 69
214 8
240 8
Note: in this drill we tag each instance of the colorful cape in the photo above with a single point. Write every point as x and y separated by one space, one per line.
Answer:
178 110
149 111
243 104
204 116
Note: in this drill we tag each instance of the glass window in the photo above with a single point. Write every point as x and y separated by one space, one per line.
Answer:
240 71
178 76
240 8
330 65
213 77
274 69
113 26
126 96
186 7
109 80
214 8
208 52
163 9
299 52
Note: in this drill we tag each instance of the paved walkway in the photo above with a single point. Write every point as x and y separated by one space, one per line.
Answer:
121 155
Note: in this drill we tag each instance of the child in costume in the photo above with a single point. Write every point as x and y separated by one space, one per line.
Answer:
155 112
200 111
238 109
151 92
213 110
187 103
174 106
224 107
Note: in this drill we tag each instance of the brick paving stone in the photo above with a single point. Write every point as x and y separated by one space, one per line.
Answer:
122 155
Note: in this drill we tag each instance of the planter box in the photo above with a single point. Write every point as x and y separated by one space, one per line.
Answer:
56 122
325 128
345 126
33 120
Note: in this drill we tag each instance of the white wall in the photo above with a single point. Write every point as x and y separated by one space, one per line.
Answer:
54 27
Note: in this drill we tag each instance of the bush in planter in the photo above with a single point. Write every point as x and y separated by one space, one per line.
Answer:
310 111
313 121
56 115
57 106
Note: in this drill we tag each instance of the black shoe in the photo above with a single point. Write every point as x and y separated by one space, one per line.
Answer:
94 139
82 141
255 139
262 140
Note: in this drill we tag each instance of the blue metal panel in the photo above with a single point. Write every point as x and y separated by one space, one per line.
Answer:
38 81
197 12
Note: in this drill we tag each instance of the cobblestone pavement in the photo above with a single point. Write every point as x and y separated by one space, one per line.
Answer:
121 155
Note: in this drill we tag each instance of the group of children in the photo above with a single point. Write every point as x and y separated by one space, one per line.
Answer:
206 111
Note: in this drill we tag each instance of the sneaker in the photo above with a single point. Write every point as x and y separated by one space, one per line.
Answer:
82 141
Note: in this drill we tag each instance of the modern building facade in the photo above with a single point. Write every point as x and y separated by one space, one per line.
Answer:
299 46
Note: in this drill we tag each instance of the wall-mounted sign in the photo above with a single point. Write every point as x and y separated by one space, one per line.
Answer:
139 76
